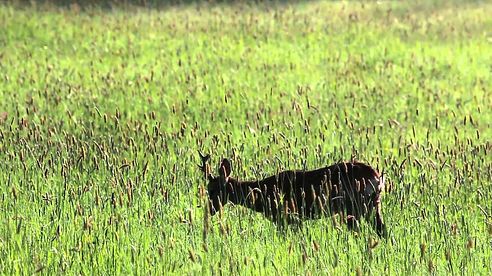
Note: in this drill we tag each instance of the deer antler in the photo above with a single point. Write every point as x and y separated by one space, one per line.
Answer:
205 167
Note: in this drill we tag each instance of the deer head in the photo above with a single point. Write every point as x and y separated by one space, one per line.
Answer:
217 188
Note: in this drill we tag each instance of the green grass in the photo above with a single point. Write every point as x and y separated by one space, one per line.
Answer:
102 113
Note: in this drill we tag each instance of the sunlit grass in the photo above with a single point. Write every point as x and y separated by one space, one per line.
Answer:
103 111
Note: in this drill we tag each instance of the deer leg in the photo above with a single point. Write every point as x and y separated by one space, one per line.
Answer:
353 214
379 223
352 222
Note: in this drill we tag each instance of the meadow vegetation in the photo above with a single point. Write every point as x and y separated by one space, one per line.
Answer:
102 113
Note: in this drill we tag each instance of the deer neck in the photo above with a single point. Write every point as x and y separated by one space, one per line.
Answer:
246 193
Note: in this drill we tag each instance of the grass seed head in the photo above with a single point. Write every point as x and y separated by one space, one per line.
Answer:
423 249
431 266
470 244
88 222
358 271
192 255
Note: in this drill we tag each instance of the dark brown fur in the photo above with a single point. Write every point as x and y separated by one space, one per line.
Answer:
351 189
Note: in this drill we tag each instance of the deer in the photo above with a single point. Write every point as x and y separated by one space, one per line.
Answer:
350 189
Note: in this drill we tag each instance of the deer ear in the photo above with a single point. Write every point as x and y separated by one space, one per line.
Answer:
225 168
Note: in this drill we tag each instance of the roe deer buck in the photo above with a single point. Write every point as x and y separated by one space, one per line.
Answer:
349 188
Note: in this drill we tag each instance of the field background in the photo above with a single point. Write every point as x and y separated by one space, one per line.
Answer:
103 109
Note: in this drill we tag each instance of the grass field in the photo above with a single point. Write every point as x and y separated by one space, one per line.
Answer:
102 113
